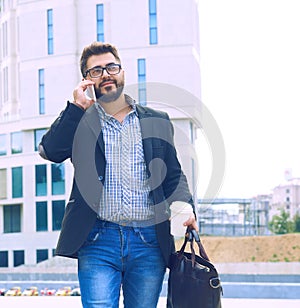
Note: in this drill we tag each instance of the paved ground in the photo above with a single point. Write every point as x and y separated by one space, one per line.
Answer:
74 302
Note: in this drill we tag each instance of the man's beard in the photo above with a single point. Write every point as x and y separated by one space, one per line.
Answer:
111 95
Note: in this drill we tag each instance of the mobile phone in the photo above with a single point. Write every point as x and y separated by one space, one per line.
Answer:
90 93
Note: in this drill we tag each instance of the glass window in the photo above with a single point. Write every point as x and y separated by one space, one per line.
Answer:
41 91
152 6
153 36
50 31
142 68
12 218
3 144
152 22
100 23
38 134
16 142
41 216
58 179
41 255
18 257
3 258
142 96
58 210
3 184
41 180
142 82
17 182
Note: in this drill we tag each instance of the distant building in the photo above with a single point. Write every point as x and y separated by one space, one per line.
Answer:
259 213
253 215
40 45
286 196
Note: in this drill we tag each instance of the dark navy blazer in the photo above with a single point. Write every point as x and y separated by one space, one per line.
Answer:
76 134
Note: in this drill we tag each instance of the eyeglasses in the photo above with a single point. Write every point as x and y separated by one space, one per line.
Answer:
97 71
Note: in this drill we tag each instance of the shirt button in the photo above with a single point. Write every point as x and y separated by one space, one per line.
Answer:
100 178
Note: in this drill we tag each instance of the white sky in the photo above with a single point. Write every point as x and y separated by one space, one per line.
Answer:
250 68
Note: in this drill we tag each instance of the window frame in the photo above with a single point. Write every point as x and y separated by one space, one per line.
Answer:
16 137
142 88
42 255
100 22
41 188
153 35
41 77
3 183
41 218
3 144
58 210
17 183
50 39
58 187
19 257
38 134
12 212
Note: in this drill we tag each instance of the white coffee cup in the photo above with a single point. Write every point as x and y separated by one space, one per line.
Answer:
180 213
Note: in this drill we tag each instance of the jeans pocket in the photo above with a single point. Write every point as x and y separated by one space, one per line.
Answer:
93 236
148 236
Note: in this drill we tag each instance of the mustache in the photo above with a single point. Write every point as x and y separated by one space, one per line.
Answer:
107 80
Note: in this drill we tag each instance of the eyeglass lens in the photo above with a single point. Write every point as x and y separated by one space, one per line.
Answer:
112 69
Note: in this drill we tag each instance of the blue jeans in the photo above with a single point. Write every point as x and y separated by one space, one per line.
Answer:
115 256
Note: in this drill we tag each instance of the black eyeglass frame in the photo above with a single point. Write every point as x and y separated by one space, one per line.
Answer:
102 70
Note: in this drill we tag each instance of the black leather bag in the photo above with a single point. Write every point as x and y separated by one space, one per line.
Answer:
193 280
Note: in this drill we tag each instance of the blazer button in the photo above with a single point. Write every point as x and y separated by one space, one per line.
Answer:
100 178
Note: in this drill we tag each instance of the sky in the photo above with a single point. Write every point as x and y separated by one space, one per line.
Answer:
250 71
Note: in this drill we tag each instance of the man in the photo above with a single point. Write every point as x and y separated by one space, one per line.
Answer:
126 175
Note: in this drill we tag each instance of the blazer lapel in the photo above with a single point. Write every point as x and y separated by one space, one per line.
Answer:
93 122
147 133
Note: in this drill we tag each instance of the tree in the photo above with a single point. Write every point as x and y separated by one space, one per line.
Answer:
281 224
297 222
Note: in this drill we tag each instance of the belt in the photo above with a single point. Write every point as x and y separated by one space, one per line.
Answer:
128 223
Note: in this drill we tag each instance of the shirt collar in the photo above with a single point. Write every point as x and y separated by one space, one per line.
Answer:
104 116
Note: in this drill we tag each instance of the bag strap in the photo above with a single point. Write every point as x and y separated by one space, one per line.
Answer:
194 235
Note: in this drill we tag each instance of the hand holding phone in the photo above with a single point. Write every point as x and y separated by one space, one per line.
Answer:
84 94
90 93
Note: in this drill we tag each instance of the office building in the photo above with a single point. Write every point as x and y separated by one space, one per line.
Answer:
41 42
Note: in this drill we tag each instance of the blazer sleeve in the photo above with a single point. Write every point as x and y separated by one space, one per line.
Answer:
56 144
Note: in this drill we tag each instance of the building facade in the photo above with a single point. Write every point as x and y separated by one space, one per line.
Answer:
41 42
286 196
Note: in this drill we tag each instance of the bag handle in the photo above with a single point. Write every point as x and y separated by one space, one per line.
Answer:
192 235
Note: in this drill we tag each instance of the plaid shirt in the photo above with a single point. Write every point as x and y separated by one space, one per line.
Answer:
126 190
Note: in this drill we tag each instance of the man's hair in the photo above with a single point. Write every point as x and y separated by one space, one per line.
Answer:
94 49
